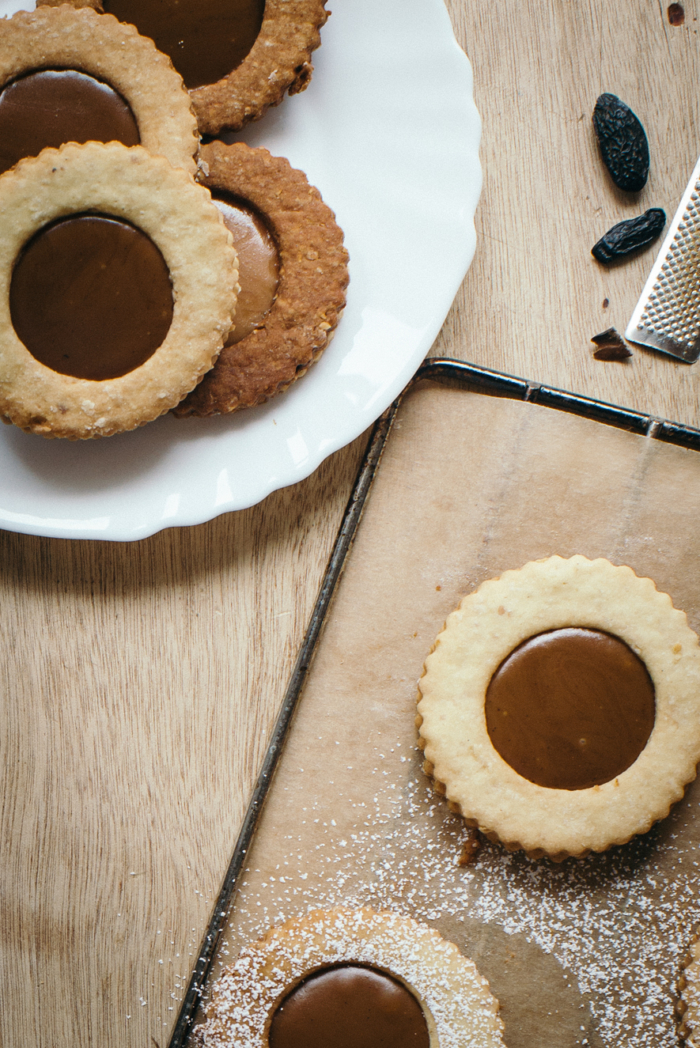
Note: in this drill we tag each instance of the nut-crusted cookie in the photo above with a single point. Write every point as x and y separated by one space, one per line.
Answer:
281 35
595 628
313 277
62 40
128 189
278 62
248 1002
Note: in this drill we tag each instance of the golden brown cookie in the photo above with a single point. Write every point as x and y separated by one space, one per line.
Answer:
64 39
278 60
543 656
313 276
128 191
454 1004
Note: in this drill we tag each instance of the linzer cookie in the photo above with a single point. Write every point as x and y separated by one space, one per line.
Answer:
237 57
117 287
560 707
351 979
688 1000
75 76
293 277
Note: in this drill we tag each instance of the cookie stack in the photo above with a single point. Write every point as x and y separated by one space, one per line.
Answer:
119 268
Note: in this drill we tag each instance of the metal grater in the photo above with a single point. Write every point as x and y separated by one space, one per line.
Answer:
667 316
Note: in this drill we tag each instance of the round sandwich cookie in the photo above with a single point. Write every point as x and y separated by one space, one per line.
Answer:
293 276
237 57
559 709
353 979
118 283
75 76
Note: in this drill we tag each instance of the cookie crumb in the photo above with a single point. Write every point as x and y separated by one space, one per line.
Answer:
610 346
676 14
470 848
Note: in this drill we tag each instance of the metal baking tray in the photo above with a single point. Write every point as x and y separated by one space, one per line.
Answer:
462 377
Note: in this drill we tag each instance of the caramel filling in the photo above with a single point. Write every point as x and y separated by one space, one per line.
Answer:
53 106
349 1007
258 262
206 39
91 297
570 708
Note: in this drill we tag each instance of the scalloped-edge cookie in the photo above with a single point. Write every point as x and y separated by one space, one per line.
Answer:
687 1005
278 62
313 276
542 596
131 185
66 39
457 1004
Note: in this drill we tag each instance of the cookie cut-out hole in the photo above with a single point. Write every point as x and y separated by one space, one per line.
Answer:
91 297
570 708
349 1006
258 263
206 40
51 106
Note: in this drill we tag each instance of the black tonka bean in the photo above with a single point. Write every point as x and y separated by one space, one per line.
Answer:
630 235
623 143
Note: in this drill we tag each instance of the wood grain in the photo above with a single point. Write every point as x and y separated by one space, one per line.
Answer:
139 683
534 295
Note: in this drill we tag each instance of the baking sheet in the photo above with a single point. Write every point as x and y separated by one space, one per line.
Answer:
582 953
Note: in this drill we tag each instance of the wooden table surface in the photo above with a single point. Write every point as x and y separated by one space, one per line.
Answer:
140 681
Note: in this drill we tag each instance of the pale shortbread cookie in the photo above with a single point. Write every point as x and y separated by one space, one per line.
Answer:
489 624
688 1001
456 1001
181 220
96 5
99 45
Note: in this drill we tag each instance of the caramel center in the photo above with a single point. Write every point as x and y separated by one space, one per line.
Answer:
206 39
258 262
570 708
91 297
53 106
349 1007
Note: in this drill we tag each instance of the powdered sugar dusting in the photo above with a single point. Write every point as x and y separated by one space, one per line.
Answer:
618 924
456 997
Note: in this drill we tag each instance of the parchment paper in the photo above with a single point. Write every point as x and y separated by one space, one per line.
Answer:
582 953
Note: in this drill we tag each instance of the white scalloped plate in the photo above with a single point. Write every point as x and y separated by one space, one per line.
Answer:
389 133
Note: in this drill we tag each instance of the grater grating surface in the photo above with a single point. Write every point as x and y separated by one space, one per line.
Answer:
667 316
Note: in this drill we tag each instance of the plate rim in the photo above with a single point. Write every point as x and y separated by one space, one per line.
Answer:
90 525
